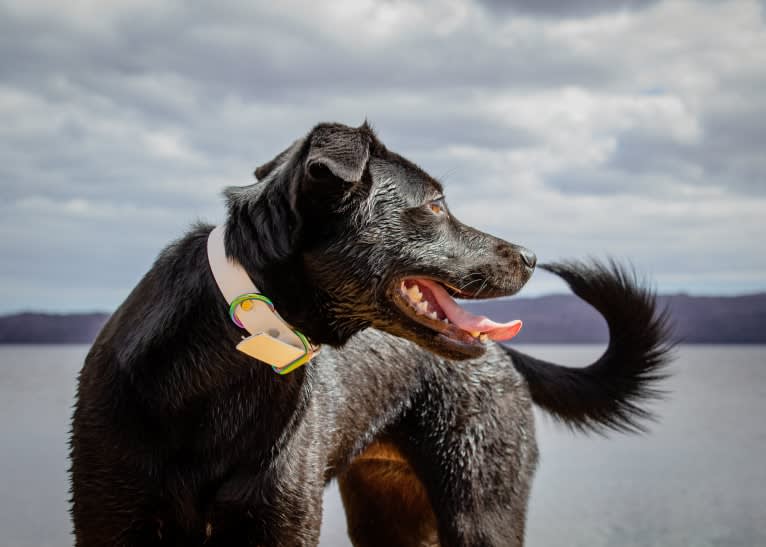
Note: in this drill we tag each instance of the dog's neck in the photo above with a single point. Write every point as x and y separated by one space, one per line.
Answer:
272 340
266 237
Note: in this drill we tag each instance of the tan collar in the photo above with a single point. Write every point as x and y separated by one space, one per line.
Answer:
272 340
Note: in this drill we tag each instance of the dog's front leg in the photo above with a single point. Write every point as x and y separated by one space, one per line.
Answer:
455 469
457 466
277 503
266 511
470 438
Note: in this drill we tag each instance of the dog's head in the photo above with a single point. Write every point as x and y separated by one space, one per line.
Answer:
344 234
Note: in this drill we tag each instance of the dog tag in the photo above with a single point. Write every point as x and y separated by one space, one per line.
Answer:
261 318
270 350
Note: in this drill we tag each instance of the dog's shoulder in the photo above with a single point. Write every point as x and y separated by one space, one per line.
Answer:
177 287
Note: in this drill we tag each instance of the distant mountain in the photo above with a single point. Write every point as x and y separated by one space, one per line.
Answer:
718 320
547 319
47 328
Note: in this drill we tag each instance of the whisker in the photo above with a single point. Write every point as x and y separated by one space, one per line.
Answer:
463 286
483 285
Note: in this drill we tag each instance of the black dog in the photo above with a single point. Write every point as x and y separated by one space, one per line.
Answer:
180 439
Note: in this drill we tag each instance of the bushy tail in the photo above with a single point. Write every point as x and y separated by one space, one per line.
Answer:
608 393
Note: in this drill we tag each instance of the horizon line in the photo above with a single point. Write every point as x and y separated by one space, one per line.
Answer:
502 298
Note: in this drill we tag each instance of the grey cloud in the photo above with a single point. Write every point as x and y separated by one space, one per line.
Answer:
121 126
564 8
728 155
270 61
596 182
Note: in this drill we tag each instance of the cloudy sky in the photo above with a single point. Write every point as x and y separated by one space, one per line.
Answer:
576 127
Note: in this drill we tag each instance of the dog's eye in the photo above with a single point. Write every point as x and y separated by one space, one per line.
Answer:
437 206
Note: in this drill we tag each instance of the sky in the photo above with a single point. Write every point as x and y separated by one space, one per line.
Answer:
578 128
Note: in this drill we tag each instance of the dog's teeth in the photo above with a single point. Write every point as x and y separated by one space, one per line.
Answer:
445 320
414 293
423 307
483 338
432 315
475 333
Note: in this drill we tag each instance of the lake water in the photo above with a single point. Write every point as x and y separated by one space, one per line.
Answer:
698 479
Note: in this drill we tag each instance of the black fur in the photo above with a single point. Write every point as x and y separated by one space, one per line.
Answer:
178 439
605 395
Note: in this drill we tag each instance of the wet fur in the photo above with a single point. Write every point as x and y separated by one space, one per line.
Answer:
178 439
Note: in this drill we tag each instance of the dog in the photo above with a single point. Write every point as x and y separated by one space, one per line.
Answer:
178 438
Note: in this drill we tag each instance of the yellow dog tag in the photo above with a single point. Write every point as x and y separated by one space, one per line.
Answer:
270 350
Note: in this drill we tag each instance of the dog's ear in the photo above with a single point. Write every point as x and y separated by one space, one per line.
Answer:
267 168
338 150
265 221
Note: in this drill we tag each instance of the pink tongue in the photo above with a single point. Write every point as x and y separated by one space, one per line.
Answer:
469 322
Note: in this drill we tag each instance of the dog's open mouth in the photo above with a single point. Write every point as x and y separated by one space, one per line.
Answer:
429 303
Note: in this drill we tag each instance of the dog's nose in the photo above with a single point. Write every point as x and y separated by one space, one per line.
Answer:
529 258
